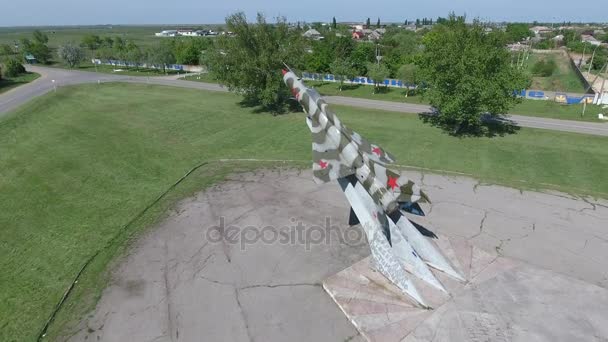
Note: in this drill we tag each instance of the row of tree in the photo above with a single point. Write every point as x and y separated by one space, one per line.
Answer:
465 71
167 51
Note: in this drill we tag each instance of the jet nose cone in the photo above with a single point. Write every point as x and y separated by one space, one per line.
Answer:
284 72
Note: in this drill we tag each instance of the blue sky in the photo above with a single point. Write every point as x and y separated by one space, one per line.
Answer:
71 12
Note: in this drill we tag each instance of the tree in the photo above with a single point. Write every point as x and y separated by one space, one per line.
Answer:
133 54
378 23
161 55
250 62
408 74
571 36
334 24
417 22
544 68
363 54
467 73
40 37
6 50
517 32
37 47
378 73
91 41
71 54
368 23
342 70
13 68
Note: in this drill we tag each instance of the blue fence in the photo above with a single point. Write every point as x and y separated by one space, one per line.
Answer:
119 63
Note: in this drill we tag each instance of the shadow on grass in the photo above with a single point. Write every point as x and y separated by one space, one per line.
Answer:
490 126
291 106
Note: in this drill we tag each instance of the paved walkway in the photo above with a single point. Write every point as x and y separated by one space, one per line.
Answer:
15 97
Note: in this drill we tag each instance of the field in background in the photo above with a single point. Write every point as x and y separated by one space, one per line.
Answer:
564 79
103 155
141 35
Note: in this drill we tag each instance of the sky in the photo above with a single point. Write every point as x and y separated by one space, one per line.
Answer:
134 12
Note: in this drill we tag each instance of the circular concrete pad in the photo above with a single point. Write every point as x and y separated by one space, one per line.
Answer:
259 277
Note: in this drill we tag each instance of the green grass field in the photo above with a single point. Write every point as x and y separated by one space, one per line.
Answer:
9 83
78 164
563 79
141 35
537 108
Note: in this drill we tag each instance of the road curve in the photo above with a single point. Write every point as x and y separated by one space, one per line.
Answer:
61 77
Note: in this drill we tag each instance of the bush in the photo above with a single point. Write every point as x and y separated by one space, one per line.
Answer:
544 68
13 68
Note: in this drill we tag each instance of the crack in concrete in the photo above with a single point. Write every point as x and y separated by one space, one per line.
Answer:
170 322
483 220
243 315
476 186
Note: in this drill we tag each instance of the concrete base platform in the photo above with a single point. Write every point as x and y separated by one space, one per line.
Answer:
503 300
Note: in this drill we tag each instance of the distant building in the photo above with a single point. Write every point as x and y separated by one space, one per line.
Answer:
590 39
540 29
358 35
516 47
374 35
312 34
166 33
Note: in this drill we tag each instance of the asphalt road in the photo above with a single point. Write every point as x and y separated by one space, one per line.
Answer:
61 77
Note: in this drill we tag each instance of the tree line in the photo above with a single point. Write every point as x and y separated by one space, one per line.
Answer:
462 70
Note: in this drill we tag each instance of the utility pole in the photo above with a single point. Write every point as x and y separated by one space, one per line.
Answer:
592 56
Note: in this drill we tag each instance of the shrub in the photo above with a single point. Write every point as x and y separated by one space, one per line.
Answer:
13 68
544 68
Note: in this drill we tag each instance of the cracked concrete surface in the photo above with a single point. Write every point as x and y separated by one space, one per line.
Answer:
179 284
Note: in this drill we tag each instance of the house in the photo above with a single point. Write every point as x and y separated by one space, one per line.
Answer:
590 39
540 29
381 31
410 27
358 35
558 38
374 35
312 34
166 33
516 47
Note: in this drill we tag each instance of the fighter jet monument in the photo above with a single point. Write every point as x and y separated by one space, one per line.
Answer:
378 196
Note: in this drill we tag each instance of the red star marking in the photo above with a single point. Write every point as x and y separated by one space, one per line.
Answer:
377 151
323 164
392 183
294 91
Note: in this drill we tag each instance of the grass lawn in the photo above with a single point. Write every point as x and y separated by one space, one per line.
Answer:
80 163
537 108
563 79
7 83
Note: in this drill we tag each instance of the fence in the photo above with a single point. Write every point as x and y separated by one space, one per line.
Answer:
126 64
